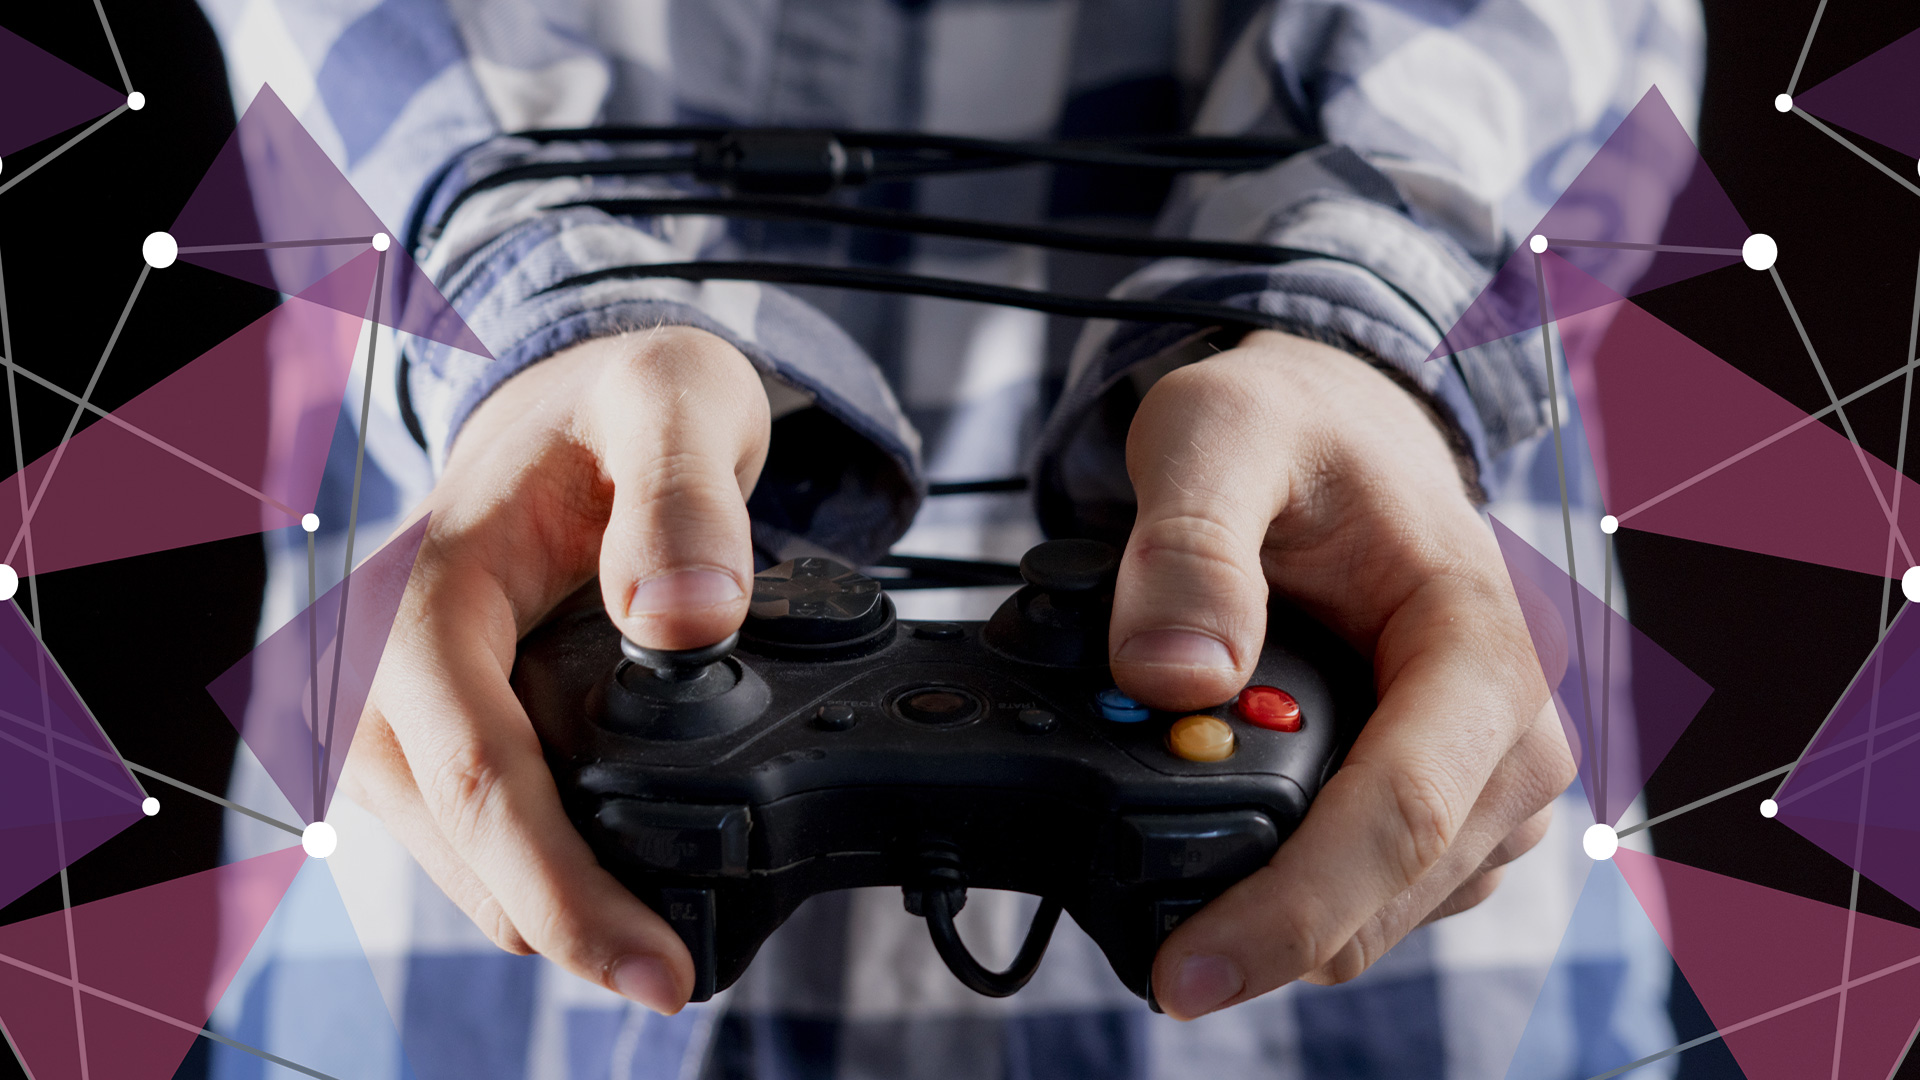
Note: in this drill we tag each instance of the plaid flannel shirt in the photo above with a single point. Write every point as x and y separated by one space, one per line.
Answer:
1449 124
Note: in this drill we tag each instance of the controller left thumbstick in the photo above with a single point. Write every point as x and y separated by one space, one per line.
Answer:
679 665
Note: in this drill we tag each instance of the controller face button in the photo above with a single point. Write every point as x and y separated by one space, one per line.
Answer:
940 705
834 717
1200 738
1268 707
939 631
679 837
1038 721
1119 708
1226 844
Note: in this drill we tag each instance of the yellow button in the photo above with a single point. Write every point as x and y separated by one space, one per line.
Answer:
1200 738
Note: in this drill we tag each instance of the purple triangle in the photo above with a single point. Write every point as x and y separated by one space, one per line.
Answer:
1654 696
1647 184
97 796
270 695
271 183
1863 805
1875 97
44 94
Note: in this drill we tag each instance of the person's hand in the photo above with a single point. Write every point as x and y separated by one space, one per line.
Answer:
1288 464
630 457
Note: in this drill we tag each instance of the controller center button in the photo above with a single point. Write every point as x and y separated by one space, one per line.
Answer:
939 631
1269 707
1118 707
1037 721
834 717
1200 738
941 705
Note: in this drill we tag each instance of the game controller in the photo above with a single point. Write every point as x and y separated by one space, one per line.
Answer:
829 745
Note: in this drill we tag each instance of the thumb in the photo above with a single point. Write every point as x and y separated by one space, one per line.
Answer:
1190 605
683 428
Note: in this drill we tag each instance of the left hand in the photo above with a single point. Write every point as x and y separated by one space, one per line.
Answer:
1288 464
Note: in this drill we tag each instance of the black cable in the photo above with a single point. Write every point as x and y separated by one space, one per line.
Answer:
889 281
769 208
546 170
975 487
933 572
946 940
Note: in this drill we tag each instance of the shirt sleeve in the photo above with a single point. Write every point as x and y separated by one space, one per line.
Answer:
415 105
1446 128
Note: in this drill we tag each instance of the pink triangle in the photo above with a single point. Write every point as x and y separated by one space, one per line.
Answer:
1875 97
272 182
1748 951
259 407
1660 410
270 694
168 949
1647 184
45 95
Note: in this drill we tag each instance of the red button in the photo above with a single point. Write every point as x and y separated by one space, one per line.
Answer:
1268 707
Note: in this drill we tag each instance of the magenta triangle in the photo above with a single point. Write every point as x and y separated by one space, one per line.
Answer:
257 411
168 949
1647 184
1667 421
1875 97
273 183
44 94
50 743
282 695
1749 951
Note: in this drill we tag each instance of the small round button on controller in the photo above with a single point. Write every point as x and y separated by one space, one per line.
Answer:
942 706
1037 721
1269 707
834 717
1118 707
1200 738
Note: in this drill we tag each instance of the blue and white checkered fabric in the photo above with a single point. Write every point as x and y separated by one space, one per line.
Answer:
1450 124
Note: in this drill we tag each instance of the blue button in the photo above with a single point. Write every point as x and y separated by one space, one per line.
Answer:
1120 708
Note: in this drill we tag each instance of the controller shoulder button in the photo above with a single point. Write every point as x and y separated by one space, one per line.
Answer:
1176 847
679 837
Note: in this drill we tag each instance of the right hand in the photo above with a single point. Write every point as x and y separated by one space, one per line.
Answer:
630 457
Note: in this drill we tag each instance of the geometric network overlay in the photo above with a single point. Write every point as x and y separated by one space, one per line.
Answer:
1644 212
1856 791
63 790
275 210
297 697
44 95
1618 738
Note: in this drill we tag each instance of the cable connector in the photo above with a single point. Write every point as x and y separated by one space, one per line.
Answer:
781 162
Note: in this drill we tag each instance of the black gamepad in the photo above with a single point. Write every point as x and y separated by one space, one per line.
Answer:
829 745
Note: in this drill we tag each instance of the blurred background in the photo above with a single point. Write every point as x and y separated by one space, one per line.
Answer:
1778 640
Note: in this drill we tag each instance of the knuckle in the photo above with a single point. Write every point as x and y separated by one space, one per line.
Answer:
1427 823
1191 543
463 791
492 920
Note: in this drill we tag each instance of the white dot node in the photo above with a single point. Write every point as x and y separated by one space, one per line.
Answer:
381 241
159 249
1783 103
136 101
1538 243
1600 841
310 522
1768 808
150 806
3 165
1609 524
9 582
1910 584
319 839
1759 251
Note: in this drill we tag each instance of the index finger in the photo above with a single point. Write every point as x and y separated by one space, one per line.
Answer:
1457 701
483 778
